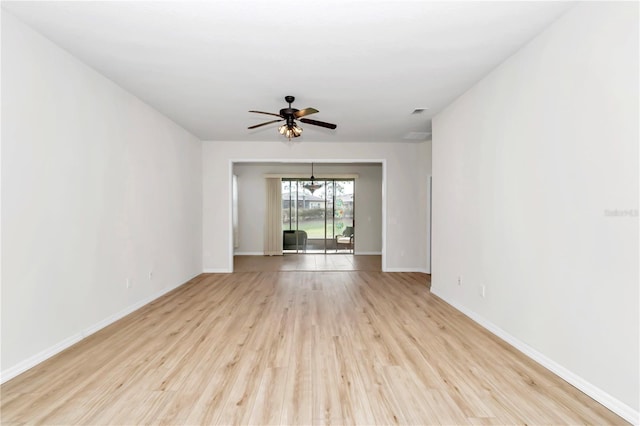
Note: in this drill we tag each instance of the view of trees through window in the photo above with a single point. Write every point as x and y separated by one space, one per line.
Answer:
323 211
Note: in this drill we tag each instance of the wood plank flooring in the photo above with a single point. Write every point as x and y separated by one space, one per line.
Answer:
307 262
295 348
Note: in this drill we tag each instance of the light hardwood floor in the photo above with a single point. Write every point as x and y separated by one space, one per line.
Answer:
296 348
307 262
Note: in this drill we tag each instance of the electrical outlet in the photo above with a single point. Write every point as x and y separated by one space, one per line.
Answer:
150 275
459 281
483 290
128 283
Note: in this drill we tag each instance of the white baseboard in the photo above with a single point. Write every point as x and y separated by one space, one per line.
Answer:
423 270
36 359
123 313
216 271
604 398
259 253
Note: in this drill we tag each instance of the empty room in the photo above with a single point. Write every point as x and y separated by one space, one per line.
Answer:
341 212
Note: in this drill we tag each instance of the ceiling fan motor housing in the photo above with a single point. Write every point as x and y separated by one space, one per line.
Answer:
288 112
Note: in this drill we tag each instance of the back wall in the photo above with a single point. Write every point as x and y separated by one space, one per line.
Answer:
404 193
252 191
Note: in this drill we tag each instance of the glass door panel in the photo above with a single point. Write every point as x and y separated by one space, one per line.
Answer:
311 213
317 212
292 240
343 213
329 224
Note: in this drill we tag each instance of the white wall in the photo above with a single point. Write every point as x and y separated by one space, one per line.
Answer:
424 153
252 193
528 166
404 190
97 187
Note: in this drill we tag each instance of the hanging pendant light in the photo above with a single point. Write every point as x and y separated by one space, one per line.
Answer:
312 187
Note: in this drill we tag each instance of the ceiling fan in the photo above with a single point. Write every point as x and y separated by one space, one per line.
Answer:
291 129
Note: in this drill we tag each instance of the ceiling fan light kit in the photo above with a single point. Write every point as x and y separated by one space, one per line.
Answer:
291 129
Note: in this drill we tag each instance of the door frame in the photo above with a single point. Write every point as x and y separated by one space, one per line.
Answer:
234 161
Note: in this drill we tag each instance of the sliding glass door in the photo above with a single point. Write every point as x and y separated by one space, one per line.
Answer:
318 216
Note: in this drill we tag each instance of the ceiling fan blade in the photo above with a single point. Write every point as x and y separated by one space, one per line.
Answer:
306 111
268 113
264 124
318 123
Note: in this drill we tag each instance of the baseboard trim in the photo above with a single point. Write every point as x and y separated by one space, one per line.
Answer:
42 356
423 270
604 398
36 359
216 271
259 253
123 313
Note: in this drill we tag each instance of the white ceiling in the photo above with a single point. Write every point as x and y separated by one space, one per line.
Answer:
365 65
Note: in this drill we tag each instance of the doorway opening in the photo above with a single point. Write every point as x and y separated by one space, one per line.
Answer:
318 216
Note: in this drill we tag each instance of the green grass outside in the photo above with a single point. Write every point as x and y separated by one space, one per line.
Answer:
315 228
